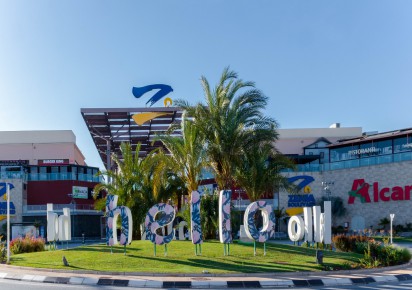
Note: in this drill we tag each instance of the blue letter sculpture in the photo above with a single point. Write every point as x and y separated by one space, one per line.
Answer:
163 91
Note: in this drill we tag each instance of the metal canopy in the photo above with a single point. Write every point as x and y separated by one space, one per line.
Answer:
109 127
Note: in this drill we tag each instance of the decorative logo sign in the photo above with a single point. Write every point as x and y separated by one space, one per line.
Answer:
360 190
138 92
296 202
58 227
301 200
163 91
305 180
3 201
113 211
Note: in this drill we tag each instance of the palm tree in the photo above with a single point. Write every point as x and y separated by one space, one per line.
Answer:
187 154
139 183
231 123
259 171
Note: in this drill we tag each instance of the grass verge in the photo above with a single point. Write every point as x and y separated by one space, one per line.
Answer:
181 259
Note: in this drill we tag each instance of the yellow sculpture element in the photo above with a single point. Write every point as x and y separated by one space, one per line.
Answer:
3 217
168 102
142 118
294 211
307 189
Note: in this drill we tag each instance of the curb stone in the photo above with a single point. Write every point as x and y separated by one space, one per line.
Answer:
268 283
267 275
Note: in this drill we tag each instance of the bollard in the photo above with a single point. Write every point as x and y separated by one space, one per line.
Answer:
319 257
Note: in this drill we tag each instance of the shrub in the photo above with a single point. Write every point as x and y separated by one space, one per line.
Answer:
349 243
375 253
3 251
27 244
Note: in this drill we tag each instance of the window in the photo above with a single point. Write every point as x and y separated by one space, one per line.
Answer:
344 153
403 144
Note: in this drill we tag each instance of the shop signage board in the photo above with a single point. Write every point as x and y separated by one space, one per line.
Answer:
80 192
53 161
367 193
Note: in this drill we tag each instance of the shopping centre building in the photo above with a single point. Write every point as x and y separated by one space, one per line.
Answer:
47 167
370 172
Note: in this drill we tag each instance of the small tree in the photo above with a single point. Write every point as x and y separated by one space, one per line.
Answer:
338 207
384 223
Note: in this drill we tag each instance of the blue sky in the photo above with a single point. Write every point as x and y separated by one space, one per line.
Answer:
319 62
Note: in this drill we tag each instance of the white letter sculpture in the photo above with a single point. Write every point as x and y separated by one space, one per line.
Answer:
58 227
113 211
299 229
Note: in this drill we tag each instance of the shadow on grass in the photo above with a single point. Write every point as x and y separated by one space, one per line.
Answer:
204 264
104 249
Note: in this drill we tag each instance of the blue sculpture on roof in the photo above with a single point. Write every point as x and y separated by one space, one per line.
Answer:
163 91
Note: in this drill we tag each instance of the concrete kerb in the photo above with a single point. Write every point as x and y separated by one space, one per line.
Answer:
258 275
207 281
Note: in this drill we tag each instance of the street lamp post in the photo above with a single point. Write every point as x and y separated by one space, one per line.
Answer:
8 222
392 215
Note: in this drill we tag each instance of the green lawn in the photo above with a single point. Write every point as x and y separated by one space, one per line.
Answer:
181 259
395 239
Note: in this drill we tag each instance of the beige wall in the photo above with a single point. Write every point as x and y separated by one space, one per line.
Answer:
292 141
38 145
387 175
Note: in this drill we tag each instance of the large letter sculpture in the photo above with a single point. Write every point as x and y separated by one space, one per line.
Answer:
299 228
268 229
113 211
152 225
195 225
225 227
58 227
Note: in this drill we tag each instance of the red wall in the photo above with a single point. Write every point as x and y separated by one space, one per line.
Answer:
43 192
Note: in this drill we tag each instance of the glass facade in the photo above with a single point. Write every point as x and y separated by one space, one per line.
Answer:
73 172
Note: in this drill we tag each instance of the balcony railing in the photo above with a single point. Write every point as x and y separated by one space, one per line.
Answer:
59 207
63 176
354 163
13 175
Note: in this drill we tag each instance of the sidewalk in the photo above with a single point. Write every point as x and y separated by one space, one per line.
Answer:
205 281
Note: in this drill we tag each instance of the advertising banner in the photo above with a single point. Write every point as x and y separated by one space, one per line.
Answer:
80 192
